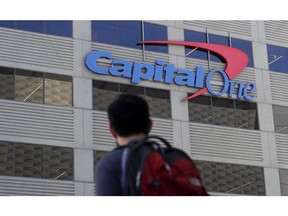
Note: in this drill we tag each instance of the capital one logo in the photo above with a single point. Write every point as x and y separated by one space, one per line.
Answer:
235 59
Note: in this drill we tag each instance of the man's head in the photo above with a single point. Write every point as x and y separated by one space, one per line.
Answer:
129 115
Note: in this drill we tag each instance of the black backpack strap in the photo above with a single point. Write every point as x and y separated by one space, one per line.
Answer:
124 159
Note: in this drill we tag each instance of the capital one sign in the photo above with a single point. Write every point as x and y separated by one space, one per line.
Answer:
235 59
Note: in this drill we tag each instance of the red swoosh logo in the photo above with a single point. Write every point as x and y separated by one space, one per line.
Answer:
236 60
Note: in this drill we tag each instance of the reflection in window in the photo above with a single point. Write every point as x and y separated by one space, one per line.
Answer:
277 58
232 178
129 34
195 37
52 27
6 83
6 159
216 39
245 46
155 32
105 92
122 33
280 114
35 87
284 181
223 112
226 112
28 160
29 86
58 90
58 163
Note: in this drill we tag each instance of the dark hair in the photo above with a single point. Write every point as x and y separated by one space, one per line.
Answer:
129 115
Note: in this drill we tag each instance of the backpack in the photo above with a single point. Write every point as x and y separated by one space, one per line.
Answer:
149 169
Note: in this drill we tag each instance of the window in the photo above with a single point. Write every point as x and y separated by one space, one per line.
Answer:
225 112
129 34
56 27
193 36
232 178
36 161
121 33
216 39
35 87
158 100
6 83
245 46
280 114
284 181
155 32
277 58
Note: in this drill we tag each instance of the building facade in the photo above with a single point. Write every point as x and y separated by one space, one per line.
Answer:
53 122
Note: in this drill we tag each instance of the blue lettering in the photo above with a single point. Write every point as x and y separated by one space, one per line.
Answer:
188 79
169 72
91 61
199 82
121 68
245 91
225 82
158 76
138 74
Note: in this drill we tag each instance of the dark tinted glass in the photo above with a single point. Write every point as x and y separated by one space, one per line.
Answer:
6 158
105 85
6 83
155 32
200 110
8 24
245 46
216 39
280 114
130 89
129 34
33 26
246 115
223 112
59 28
193 36
277 58
104 32
29 160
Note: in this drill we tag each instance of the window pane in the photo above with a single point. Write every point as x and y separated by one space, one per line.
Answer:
59 163
229 179
33 26
129 34
155 32
6 83
6 159
29 86
245 46
277 58
246 115
208 171
103 94
130 89
280 114
193 36
216 39
223 112
200 110
28 160
58 90
158 102
98 155
252 180
104 32
59 28
8 24
284 181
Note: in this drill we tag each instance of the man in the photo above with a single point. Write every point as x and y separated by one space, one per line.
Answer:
129 121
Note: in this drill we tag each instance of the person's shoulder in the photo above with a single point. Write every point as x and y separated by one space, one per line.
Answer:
112 157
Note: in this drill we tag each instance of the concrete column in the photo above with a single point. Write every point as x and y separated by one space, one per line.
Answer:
272 182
